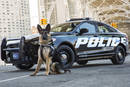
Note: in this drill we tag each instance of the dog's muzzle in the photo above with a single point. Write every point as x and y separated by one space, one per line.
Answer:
44 37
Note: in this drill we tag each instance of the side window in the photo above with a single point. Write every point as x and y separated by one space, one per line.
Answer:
112 29
91 27
104 28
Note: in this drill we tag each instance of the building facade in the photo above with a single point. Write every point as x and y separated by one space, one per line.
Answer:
109 11
14 18
58 11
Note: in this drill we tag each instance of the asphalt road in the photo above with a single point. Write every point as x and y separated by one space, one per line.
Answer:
99 73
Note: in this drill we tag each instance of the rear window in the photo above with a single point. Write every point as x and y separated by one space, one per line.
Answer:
103 28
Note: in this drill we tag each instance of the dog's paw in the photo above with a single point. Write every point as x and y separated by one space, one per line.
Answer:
47 74
33 75
50 73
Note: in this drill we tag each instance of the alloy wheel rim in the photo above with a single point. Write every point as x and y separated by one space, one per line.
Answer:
64 57
120 55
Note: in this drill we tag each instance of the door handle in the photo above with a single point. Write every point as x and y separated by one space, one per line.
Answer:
113 36
95 35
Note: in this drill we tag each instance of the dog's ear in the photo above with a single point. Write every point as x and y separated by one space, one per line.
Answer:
39 28
48 28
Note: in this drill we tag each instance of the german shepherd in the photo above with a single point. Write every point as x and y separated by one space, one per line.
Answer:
44 53
44 49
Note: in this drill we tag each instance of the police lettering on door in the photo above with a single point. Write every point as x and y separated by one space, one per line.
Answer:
99 41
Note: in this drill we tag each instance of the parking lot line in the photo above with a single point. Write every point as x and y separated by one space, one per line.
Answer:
7 71
6 80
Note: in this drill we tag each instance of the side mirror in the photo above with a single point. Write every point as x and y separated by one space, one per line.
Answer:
83 30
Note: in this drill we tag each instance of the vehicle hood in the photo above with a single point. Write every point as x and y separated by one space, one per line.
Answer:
27 37
32 36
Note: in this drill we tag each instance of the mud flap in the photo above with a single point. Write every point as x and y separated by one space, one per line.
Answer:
3 46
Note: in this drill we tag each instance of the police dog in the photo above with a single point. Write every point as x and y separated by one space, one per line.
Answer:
44 52
44 49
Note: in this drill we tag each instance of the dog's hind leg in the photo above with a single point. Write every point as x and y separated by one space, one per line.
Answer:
40 61
48 62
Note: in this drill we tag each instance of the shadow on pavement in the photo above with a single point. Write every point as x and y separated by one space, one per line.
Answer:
92 65
74 67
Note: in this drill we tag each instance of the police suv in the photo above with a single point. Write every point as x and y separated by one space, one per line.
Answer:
77 40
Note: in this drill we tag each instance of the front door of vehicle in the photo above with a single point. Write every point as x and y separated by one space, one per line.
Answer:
86 44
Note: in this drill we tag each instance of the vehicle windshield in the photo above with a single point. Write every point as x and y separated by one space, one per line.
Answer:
66 27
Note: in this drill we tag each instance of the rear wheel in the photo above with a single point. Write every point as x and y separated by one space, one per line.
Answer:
119 57
82 62
24 66
66 56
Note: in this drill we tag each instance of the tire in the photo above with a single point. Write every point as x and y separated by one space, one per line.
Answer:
82 62
21 46
3 46
119 57
24 66
65 56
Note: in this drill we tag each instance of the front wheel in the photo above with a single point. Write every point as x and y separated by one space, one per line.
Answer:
66 56
24 66
119 57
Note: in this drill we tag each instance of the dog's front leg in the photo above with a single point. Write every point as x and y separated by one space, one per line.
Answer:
48 62
40 61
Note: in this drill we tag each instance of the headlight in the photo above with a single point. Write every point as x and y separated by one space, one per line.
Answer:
15 56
